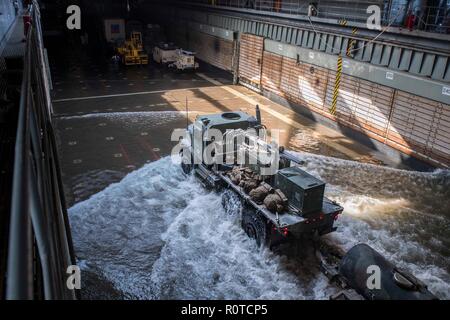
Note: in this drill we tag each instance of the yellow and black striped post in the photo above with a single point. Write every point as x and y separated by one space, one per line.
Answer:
351 43
337 84
342 22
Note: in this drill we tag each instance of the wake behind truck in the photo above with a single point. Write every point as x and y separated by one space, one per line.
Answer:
278 202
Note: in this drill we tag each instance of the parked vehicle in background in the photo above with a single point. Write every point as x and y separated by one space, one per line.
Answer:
185 60
165 53
132 51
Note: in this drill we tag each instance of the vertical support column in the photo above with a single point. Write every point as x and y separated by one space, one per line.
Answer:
235 59
337 83
351 44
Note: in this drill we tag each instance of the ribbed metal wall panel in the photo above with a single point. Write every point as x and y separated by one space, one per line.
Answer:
421 125
7 16
409 123
250 59
271 72
304 84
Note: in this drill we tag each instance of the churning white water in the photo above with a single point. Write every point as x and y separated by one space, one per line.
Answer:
158 234
404 215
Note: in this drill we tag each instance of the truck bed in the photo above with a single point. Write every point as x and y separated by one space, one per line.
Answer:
281 220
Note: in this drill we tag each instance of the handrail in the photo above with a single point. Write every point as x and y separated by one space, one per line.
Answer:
19 251
40 245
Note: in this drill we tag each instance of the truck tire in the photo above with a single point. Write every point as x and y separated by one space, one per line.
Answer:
231 203
255 226
186 167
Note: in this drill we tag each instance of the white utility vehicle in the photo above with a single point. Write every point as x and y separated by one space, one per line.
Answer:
185 60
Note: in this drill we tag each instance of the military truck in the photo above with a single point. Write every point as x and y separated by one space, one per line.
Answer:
280 203
286 205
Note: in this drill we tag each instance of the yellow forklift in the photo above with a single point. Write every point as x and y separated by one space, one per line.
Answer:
132 51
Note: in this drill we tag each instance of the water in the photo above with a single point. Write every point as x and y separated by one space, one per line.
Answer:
158 234
404 215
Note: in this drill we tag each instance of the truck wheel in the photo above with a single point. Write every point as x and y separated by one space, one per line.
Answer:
254 226
186 167
231 203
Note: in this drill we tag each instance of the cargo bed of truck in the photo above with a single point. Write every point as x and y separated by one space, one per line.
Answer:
285 219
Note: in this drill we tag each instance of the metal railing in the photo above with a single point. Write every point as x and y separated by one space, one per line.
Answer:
40 245
409 14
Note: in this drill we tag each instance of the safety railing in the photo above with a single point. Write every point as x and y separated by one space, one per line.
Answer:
412 15
40 245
